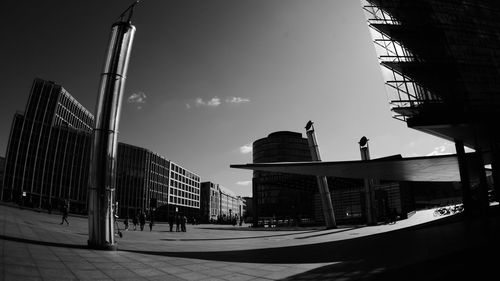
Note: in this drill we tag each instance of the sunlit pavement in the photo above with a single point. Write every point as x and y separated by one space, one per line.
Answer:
34 246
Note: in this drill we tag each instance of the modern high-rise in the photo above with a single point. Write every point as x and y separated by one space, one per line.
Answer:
47 153
441 65
48 158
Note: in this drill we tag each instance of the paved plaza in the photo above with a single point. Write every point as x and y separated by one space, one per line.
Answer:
34 246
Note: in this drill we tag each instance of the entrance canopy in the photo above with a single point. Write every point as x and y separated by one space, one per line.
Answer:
443 168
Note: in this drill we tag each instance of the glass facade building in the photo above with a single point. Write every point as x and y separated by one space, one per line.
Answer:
277 195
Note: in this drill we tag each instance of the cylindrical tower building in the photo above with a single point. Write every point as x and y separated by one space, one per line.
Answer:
279 196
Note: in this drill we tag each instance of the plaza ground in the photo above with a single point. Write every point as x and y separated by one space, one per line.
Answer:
34 246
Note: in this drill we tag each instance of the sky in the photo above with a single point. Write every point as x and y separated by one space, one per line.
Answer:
209 77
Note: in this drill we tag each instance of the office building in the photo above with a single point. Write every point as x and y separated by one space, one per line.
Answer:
210 202
48 157
148 182
219 204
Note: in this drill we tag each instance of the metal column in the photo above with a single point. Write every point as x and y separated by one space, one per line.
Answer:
324 192
371 218
102 179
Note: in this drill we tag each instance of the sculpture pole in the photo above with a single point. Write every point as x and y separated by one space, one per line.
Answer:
324 192
371 218
102 180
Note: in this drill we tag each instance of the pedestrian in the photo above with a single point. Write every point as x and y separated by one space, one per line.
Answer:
183 223
65 210
142 220
125 222
177 223
151 225
135 221
171 222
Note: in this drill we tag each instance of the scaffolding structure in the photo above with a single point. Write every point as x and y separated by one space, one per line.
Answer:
406 96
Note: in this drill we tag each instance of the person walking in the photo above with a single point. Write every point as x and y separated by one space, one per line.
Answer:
135 221
65 210
142 220
125 222
183 223
151 223
171 222
177 223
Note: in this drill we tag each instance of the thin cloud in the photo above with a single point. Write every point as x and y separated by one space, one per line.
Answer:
138 98
237 100
199 102
247 148
244 183
215 102
441 150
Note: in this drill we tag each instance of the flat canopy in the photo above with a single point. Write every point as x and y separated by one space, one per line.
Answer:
442 168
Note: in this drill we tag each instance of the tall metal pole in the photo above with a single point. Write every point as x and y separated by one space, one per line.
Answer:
369 196
102 181
324 192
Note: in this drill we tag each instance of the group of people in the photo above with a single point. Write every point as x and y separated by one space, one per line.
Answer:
138 219
179 221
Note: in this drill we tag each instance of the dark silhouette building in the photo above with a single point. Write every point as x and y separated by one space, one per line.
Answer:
47 154
441 66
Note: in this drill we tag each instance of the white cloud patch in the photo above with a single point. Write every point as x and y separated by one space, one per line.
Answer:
247 148
198 102
441 150
237 100
215 102
244 183
138 98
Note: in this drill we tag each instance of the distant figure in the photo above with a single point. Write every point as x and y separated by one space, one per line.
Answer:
183 223
125 222
65 210
171 223
177 223
142 220
135 221
151 225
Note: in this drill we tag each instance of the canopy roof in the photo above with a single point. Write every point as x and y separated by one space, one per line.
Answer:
443 168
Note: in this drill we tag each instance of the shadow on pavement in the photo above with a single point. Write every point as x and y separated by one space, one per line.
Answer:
43 243
432 248
239 238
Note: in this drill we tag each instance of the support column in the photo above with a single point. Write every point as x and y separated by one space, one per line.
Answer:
324 192
483 183
464 177
495 168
